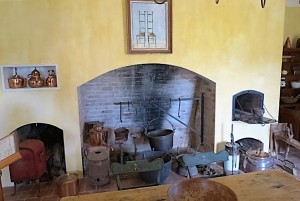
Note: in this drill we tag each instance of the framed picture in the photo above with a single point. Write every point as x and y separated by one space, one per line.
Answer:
149 26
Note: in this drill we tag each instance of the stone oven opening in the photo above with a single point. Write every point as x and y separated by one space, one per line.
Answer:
52 137
248 106
144 97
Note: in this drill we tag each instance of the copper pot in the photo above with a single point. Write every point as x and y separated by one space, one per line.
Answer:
16 81
68 185
98 135
51 80
35 80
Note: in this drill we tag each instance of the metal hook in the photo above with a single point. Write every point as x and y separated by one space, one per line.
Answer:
263 3
217 1
121 112
179 107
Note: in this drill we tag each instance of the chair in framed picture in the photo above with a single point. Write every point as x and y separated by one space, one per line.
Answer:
141 36
150 31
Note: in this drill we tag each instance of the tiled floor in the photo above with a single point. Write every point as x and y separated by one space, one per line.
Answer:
28 192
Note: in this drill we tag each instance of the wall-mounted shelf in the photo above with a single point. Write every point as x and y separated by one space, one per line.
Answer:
8 71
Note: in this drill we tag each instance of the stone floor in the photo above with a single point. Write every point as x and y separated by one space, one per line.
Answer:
28 192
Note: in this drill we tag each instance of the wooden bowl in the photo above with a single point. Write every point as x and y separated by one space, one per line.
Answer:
200 189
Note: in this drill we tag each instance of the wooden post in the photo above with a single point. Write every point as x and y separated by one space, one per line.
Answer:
9 146
1 190
7 161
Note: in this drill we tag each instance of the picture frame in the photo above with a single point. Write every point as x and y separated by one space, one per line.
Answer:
149 26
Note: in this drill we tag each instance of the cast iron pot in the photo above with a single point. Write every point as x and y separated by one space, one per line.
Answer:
161 139
121 133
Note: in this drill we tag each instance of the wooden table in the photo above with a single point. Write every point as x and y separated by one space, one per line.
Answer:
269 185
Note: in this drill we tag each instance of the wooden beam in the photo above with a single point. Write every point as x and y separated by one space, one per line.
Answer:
9 160
1 190
5 162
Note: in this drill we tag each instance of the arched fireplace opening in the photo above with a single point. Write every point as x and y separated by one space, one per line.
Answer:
132 96
52 137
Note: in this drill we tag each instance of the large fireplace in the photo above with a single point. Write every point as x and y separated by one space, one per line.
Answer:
166 95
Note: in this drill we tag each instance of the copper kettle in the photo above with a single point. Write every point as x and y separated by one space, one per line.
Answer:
35 80
16 81
51 80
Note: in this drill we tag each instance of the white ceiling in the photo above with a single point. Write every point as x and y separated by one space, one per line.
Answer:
290 3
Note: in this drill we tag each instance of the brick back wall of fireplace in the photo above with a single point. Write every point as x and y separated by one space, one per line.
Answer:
144 89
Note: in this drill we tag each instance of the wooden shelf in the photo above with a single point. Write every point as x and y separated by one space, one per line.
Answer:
288 92
289 113
291 59
287 51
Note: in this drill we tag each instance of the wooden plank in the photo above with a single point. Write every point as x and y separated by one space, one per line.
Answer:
9 160
157 193
5 162
269 185
204 158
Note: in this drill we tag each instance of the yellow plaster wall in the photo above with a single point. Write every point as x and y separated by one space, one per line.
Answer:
236 43
291 24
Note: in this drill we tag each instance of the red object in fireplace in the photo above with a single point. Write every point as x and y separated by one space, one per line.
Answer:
32 165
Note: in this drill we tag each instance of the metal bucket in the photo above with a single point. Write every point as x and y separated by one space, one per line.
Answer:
257 160
150 177
161 139
98 167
